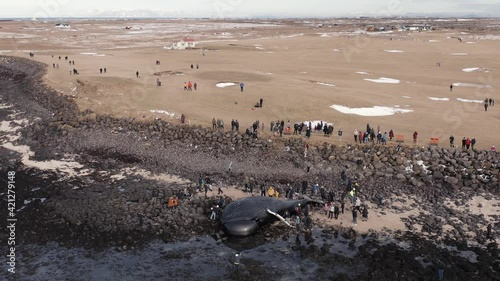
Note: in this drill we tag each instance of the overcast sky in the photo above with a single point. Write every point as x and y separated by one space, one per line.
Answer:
246 8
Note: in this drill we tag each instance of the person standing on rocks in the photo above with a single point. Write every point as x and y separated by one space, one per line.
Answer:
237 260
391 134
452 139
489 235
213 214
340 134
354 216
472 143
463 143
336 211
415 135
214 123
219 190
365 214
440 271
331 210
467 143
342 205
355 135
380 201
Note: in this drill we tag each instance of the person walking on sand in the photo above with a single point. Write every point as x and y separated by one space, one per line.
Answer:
260 102
214 123
195 86
415 135
242 85
355 135
340 134
185 86
452 139
486 105
451 87
137 74
473 143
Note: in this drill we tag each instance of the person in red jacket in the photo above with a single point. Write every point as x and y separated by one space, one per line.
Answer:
467 143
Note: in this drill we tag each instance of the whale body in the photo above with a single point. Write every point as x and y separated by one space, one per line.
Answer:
244 216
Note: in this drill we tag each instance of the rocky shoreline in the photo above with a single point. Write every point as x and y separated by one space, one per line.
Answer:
97 208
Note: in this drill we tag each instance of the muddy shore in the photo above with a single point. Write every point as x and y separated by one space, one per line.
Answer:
98 206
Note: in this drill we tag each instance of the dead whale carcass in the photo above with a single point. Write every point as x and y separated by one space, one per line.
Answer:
243 217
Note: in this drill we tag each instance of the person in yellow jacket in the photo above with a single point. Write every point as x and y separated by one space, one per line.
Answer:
270 191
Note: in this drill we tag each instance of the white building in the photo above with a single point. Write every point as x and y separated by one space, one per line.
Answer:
185 43
417 27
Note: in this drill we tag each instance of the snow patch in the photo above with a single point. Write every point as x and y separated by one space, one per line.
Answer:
225 84
370 111
471 85
384 80
465 100
326 84
438 99
162 112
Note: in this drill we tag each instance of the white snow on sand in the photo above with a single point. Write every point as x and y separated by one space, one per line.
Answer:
459 54
470 42
433 41
465 100
225 84
326 84
66 165
336 50
472 69
393 51
162 112
384 80
370 111
362 73
406 97
471 85
438 99
93 54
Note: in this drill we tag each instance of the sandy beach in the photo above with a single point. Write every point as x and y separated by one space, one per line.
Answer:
337 73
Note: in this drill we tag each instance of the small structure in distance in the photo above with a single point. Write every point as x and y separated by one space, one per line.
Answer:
62 25
186 43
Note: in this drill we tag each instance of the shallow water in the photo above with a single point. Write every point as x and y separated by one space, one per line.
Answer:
200 258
